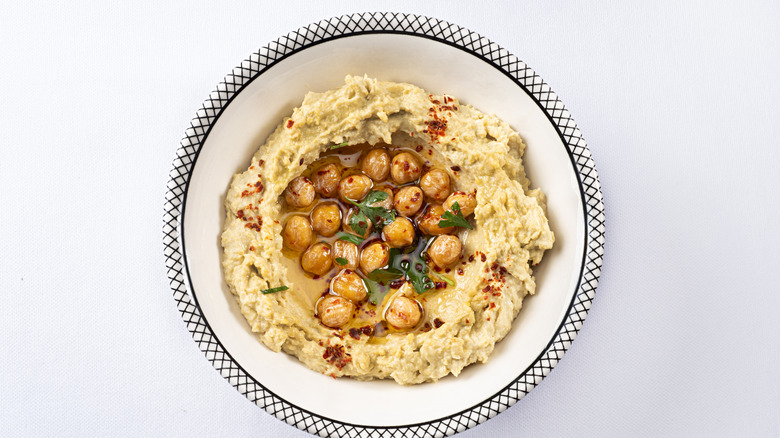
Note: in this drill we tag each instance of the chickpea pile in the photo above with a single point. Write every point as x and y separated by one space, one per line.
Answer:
418 197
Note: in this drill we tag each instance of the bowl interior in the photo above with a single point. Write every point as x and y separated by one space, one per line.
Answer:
438 68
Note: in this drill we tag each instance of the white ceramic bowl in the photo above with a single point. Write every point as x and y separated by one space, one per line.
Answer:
441 58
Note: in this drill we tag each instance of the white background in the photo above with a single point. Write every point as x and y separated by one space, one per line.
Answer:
678 103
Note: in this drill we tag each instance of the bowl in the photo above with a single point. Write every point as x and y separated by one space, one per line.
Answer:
440 57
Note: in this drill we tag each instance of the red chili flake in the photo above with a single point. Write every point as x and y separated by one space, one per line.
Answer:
455 168
471 258
494 266
467 321
395 284
426 328
251 167
240 214
290 123
440 284
418 148
438 323
336 355
487 288
460 271
251 248
354 333
483 257
492 305
367 330
412 134
447 270
261 162
436 101
259 186
253 226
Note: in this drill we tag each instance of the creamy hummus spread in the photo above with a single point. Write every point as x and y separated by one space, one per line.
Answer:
384 232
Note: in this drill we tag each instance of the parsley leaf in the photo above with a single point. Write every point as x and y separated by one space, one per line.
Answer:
454 220
413 267
376 291
359 223
336 146
380 216
349 237
341 261
273 289
385 275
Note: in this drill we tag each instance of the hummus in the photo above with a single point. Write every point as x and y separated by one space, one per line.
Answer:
467 307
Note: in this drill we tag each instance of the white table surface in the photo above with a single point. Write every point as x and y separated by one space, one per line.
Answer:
678 102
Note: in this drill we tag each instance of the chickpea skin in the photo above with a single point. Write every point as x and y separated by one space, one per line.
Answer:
373 257
300 192
326 180
445 251
335 312
297 233
408 201
376 164
399 233
405 168
403 313
386 203
466 201
349 285
326 219
354 187
347 251
348 228
436 185
317 259
429 223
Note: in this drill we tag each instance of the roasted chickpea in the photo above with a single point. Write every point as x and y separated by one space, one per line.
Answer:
300 192
408 201
354 187
445 251
376 164
403 313
347 251
326 219
335 312
348 228
436 185
349 285
429 222
326 180
405 168
399 233
373 257
317 259
386 203
297 233
466 201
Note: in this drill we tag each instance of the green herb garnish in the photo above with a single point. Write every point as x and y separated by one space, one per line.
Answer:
341 235
444 278
336 146
454 220
376 291
342 261
416 271
380 216
274 289
385 275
